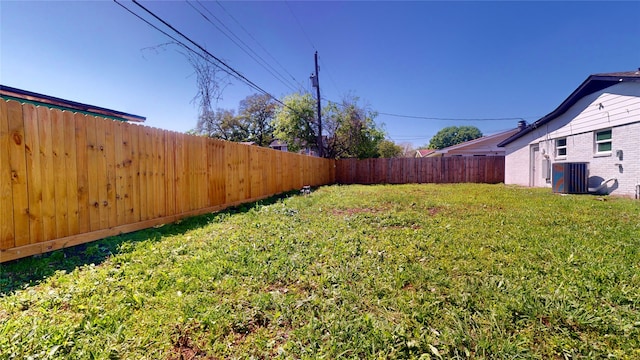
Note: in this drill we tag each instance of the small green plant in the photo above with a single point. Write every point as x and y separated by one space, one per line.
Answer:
394 272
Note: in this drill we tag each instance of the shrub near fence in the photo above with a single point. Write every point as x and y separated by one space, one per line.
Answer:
473 169
69 178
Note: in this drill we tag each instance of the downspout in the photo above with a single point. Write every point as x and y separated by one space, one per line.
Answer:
638 191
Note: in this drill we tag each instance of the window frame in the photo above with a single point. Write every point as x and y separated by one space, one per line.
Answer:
598 142
558 148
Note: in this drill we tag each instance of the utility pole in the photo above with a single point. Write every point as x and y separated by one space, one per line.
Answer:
316 84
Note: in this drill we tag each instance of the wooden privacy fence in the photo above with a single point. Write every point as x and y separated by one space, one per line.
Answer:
476 169
69 178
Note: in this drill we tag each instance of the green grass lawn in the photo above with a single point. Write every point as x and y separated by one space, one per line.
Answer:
383 272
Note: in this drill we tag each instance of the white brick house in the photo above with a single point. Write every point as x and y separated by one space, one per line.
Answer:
598 124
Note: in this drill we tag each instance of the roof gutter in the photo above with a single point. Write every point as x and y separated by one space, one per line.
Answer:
591 85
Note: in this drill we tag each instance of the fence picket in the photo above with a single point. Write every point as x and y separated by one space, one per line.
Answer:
143 158
34 173
7 230
110 157
71 171
201 174
160 172
93 184
60 171
150 172
170 191
120 172
18 162
138 195
219 170
45 150
101 171
180 181
279 183
128 164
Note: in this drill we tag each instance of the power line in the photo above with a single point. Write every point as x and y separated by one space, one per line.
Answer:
330 77
311 43
171 37
452 119
405 138
233 71
259 44
244 48
441 118
300 25
180 43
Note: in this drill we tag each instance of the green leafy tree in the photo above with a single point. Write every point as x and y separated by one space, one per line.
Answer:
222 124
388 149
351 131
453 135
295 122
253 123
257 112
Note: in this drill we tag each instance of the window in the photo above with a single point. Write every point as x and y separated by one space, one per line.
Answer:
561 147
603 142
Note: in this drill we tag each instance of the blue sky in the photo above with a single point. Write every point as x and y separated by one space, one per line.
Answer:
453 60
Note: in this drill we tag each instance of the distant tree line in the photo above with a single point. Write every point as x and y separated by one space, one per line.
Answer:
349 129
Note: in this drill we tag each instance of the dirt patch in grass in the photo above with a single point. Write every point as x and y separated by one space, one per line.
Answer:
402 227
184 348
353 211
277 288
188 353
409 287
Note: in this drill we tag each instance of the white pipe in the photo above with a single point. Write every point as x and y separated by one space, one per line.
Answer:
602 185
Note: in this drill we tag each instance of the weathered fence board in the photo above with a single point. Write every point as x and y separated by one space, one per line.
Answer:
476 169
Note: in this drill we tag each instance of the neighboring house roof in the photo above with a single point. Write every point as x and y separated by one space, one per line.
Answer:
481 145
10 93
424 152
592 84
277 143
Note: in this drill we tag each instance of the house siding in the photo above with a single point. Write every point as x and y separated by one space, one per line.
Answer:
616 108
517 161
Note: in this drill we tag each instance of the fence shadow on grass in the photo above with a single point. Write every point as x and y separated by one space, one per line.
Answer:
26 272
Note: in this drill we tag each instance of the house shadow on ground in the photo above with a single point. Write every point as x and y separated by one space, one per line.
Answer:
30 271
